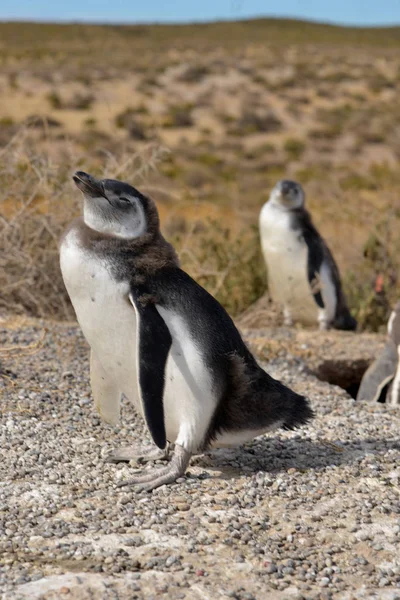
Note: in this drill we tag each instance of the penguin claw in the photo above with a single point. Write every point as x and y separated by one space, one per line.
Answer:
157 477
144 478
140 454
153 481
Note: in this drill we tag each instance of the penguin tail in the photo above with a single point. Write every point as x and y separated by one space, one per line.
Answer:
299 412
255 401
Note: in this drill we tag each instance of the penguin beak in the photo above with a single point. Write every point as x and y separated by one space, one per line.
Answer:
89 185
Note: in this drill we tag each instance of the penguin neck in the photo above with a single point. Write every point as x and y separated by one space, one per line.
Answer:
298 207
148 253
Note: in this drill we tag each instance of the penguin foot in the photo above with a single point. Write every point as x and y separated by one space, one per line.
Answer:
141 454
157 477
287 318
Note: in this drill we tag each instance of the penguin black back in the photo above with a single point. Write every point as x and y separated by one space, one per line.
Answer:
249 398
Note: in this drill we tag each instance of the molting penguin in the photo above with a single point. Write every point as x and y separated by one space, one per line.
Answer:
384 372
302 275
159 338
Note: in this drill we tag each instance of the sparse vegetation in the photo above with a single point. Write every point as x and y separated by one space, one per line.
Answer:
90 122
80 101
294 148
179 115
372 286
128 120
54 100
229 264
255 121
194 73
6 121
257 101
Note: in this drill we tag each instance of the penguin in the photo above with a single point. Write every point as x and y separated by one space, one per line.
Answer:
160 339
384 373
302 274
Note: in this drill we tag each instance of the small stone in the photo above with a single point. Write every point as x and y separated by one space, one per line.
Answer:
162 589
134 541
171 560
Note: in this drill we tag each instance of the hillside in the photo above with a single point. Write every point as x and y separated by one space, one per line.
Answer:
206 118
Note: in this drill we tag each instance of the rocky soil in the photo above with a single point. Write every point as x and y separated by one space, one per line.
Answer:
308 514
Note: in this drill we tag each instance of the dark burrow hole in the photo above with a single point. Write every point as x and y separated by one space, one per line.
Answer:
345 375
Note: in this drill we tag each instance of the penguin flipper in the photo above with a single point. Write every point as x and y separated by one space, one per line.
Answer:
323 272
153 344
106 394
315 257
378 375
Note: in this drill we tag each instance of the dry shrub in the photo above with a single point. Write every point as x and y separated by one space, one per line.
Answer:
127 120
194 73
366 247
256 120
179 115
373 286
228 264
79 101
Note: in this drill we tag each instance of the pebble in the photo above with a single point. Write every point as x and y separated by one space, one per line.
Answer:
286 512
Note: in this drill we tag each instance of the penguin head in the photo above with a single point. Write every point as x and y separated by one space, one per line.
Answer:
116 208
394 325
288 194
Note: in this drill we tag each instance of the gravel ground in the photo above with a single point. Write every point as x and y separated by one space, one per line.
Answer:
308 514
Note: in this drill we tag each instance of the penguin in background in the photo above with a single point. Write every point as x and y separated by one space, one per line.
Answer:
160 339
384 372
303 277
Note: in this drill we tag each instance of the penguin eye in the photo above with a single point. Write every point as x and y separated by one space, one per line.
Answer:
124 199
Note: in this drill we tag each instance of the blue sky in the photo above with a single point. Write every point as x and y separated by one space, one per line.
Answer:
351 12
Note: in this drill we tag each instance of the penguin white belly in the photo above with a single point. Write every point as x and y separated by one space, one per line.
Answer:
106 317
395 391
286 257
190 398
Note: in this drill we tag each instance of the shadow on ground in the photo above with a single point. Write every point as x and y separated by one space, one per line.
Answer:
276 455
